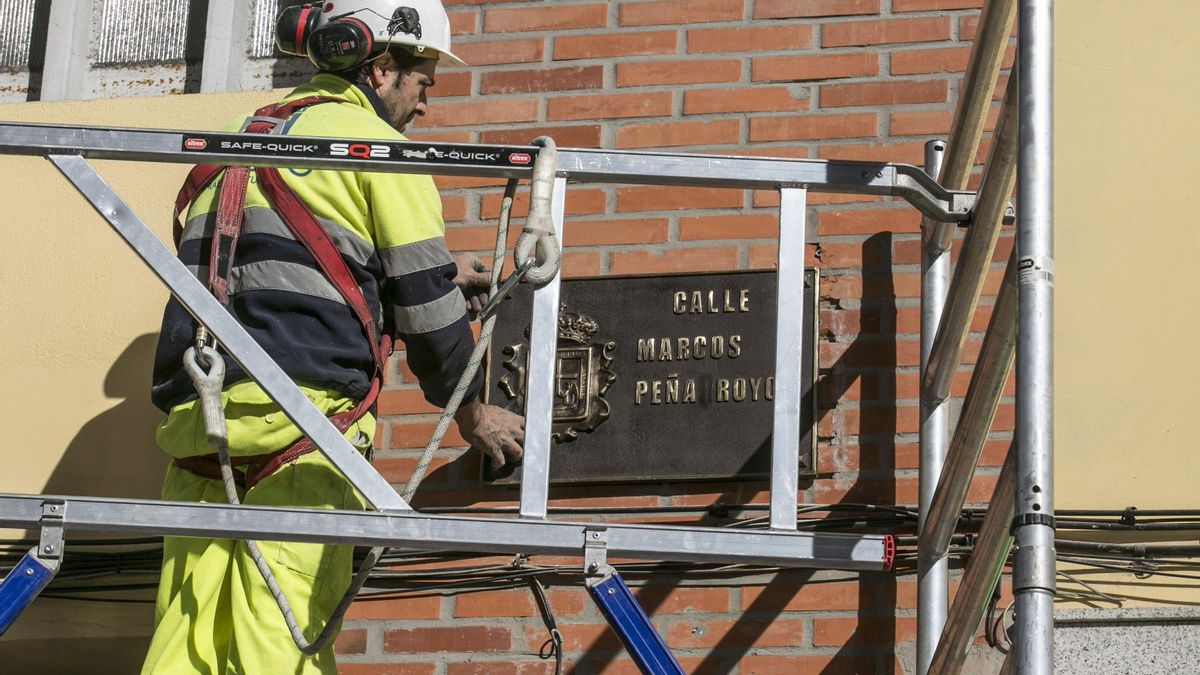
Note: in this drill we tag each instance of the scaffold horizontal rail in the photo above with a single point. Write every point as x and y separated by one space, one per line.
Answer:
428 532
491 161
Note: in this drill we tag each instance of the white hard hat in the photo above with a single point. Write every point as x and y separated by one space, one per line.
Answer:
421 25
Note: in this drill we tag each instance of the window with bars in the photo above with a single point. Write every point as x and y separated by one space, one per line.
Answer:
139 31
134 31
17 20
131 32
262 33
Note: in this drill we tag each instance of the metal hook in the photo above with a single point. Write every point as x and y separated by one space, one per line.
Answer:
513 279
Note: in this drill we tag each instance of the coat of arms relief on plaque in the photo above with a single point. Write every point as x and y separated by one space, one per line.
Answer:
582 376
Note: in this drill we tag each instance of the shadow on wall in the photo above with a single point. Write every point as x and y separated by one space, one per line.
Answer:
873 646
114 454
865 633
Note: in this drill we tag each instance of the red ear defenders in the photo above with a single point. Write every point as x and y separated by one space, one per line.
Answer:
341 44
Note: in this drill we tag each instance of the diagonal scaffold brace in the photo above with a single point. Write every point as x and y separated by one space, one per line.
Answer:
621 610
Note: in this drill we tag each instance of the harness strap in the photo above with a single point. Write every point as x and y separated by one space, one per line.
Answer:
303 224
228 228
257 467
203 174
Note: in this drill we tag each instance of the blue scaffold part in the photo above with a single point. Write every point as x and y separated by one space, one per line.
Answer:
20 587
632 625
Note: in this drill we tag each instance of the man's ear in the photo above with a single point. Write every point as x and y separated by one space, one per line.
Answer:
374 75
378 69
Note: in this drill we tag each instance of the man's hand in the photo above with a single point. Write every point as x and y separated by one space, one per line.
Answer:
474 279
495 431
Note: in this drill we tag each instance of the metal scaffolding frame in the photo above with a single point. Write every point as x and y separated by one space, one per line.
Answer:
1023 496
394 523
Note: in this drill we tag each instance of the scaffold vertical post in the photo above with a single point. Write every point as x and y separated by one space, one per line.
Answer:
539 399
789 350
1033 527
932 575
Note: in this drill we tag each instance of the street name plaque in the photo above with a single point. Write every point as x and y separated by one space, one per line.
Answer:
657 377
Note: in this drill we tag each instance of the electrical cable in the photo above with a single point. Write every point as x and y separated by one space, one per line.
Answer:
1003 646
399 583
1095 592
989 615
553 646
1142 571
1158 551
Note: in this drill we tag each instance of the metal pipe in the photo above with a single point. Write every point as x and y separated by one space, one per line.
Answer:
981 576
932 574
789 351
975 420
1034 568
974 102
971 271
543 358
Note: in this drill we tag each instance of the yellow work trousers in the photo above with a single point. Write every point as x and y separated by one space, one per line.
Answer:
214 612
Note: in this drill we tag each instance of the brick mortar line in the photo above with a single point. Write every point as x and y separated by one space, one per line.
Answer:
684 28
686 56
748 21
613 16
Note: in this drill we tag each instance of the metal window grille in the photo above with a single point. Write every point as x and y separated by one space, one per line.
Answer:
16 32
262 37
135 31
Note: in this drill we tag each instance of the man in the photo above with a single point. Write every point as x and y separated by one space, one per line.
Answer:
214 612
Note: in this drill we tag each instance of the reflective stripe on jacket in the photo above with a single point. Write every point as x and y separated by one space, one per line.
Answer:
389 230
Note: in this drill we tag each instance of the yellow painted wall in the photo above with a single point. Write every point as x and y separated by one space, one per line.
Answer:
1127 253
80 311
1127 371
78 319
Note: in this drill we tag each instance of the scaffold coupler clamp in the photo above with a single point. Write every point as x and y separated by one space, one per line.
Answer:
621 610
36 568
596 569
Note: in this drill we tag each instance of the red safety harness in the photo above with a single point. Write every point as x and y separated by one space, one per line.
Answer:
303 224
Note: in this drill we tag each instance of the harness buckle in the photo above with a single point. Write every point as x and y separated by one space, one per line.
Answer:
274 125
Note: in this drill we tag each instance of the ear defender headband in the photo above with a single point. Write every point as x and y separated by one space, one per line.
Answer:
343 43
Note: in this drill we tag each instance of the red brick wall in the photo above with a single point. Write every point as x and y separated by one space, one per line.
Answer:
828 79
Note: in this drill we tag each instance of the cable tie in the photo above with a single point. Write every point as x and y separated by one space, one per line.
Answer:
1129 516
